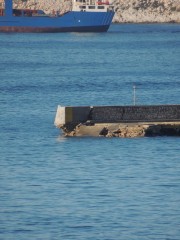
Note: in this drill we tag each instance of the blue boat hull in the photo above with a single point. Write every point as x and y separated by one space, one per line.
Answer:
69 22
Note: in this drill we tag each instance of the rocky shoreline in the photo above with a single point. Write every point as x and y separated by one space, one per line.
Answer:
147 11
132 11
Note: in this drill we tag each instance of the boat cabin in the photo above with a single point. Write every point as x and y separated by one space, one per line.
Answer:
92 6
78 5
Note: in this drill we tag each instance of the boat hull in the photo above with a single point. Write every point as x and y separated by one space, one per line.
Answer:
69 22
54 30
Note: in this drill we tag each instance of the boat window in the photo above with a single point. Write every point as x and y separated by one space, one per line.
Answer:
91 7
82 7
81 1
100 7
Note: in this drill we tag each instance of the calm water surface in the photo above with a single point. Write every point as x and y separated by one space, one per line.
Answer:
53 187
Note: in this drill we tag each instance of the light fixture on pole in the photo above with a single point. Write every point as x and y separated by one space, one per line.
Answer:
134 95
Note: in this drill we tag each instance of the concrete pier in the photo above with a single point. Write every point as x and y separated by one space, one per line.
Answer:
119 121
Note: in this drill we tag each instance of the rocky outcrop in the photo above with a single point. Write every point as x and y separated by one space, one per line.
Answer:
135 11
147 11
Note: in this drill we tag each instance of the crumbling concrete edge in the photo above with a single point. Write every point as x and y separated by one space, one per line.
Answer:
80 121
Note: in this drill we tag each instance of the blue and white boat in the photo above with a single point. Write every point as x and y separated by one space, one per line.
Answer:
85 16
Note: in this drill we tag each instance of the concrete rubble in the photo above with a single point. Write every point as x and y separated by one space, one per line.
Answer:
126 130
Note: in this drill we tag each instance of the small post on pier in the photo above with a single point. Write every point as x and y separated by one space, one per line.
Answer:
134 95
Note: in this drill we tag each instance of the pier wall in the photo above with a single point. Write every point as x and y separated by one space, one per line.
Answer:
114 114
136 113
119 120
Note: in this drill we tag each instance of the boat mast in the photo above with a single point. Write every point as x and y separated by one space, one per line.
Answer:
8 8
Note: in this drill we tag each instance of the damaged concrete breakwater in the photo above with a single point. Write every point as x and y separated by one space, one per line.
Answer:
119 121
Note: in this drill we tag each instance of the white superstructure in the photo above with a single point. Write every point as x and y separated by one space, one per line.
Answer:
92 5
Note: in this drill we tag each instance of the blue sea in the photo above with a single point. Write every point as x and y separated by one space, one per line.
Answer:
58 188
